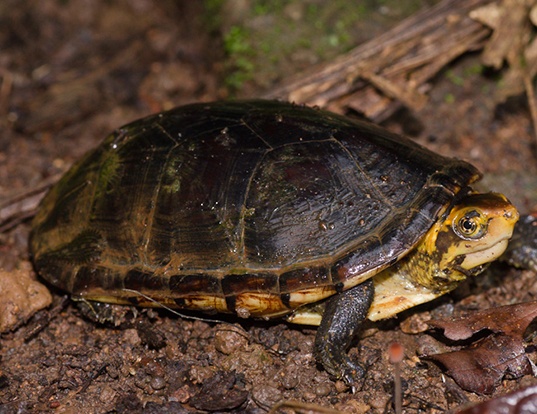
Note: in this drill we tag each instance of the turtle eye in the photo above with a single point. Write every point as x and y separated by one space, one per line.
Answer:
467 225
470 226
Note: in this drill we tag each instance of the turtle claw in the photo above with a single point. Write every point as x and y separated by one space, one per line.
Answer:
342 368
353 375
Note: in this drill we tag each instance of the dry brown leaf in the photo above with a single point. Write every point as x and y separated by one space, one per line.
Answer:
481 367
511 320
511 42
518 402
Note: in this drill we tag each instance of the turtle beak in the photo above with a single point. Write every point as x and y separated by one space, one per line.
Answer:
479 258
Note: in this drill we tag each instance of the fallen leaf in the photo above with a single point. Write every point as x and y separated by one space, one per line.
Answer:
518 402
481 367
511 42
512 319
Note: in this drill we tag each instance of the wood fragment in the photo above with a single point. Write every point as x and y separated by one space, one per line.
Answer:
394 68
18 208
6 87
530 95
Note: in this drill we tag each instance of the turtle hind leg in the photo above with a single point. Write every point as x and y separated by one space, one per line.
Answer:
106 313
342 318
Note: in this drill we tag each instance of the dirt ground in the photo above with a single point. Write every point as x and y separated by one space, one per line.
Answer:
70 72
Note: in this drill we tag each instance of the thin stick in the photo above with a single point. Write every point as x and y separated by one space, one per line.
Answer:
181 315
530 94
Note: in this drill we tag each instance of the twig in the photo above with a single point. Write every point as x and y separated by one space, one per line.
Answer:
379 75
530 93
6 87
21 207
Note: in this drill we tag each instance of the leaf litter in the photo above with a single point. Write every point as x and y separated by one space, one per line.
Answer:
498 347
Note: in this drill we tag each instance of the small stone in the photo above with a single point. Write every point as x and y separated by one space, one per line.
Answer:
266 395
112 371
323 389
158 383
341 387
228 341
20 297
353 406
130 336
199 374
182 395
289 377
107 394
308 396
416 323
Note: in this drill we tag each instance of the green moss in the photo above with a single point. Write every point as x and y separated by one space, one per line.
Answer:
241 53
455 78
213 14
449 98
269 40
107 174
476 69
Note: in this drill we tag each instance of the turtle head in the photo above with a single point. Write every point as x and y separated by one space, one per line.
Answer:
473 233
469 235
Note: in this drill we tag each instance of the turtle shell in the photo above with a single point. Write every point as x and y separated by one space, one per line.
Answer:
254 207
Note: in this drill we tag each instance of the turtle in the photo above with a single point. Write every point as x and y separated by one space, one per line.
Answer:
268 209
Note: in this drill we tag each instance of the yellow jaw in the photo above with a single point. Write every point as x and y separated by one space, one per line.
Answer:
473 233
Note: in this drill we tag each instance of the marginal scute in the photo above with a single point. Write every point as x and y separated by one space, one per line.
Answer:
300 279
139 280
185 285
89 279
260 282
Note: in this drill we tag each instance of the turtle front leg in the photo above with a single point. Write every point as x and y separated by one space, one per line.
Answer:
342 317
